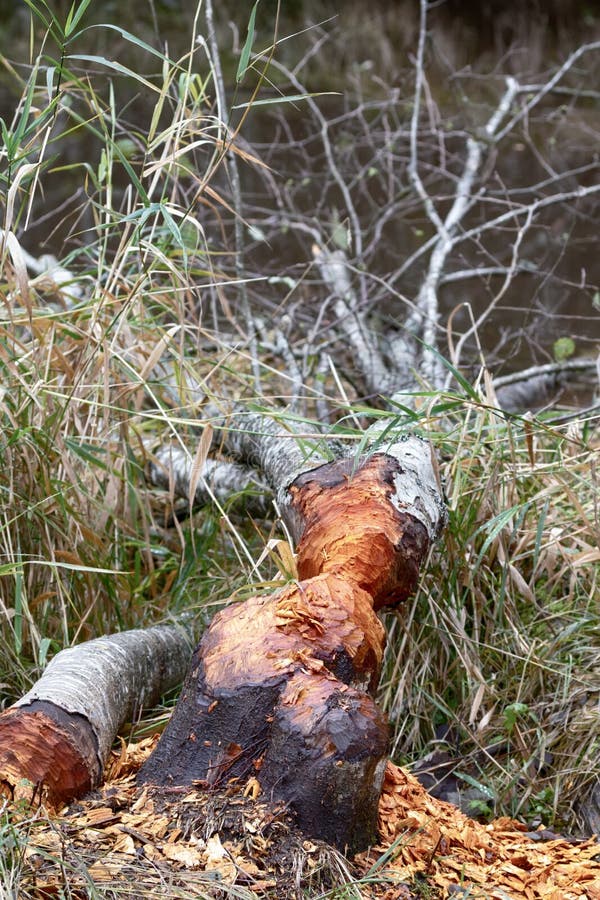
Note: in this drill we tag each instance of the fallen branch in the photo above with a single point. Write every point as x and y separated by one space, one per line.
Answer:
534 386
174 469
58 736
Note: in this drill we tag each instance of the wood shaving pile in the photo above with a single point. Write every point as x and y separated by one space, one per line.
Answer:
436 840
122 837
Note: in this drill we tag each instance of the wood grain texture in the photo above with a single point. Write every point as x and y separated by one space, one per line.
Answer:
46 754
59 735
281 686
353 528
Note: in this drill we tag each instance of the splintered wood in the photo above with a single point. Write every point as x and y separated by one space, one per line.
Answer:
433 839
124 838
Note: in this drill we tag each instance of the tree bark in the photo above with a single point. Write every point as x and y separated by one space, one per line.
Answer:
172 468
539 385
281 686
58 736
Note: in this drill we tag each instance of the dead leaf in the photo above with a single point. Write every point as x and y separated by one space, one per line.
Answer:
183 853
252 788
219 860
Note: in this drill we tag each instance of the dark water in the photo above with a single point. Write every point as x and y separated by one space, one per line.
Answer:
365 54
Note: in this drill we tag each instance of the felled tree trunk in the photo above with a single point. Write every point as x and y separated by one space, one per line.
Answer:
281 686
57 737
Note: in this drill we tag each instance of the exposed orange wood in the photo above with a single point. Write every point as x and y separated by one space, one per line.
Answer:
280 686
320 622
353 528
54 756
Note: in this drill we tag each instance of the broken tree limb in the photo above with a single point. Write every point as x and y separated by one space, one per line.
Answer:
333 266
281 686
537 385
173 468
59 735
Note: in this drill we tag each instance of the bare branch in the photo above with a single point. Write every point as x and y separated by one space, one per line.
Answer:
172 468
332 265
427 300
546 88
532 387
413 166
357 242
510 273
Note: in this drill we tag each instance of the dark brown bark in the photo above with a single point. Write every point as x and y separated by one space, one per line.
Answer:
281 686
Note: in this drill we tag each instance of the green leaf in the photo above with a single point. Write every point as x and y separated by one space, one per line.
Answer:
247 48
291 98
7 139
172 226
75 567
75 16
512 713
134 179
24 117
340 234
478 785
495 525
102 166
12 568
43 651
88 452
116 67
128 37
458 376
563 348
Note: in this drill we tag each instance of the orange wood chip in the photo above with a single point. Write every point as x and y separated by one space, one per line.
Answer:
433 838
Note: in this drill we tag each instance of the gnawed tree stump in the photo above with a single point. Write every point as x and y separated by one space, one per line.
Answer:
281 686
57 737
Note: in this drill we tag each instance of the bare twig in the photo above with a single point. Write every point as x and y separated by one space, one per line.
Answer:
332 265
230 162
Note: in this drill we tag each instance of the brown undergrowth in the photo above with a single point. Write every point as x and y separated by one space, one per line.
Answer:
121 841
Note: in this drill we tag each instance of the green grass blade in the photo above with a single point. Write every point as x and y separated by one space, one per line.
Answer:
74 17
285 98
24 117
247 48
116 67
128 36
47 23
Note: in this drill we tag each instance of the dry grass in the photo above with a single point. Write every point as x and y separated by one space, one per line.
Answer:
496 657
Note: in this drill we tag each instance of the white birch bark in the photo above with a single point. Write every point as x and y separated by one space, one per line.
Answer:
532 387
333 266
110 679
418 492
280 452
173 469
